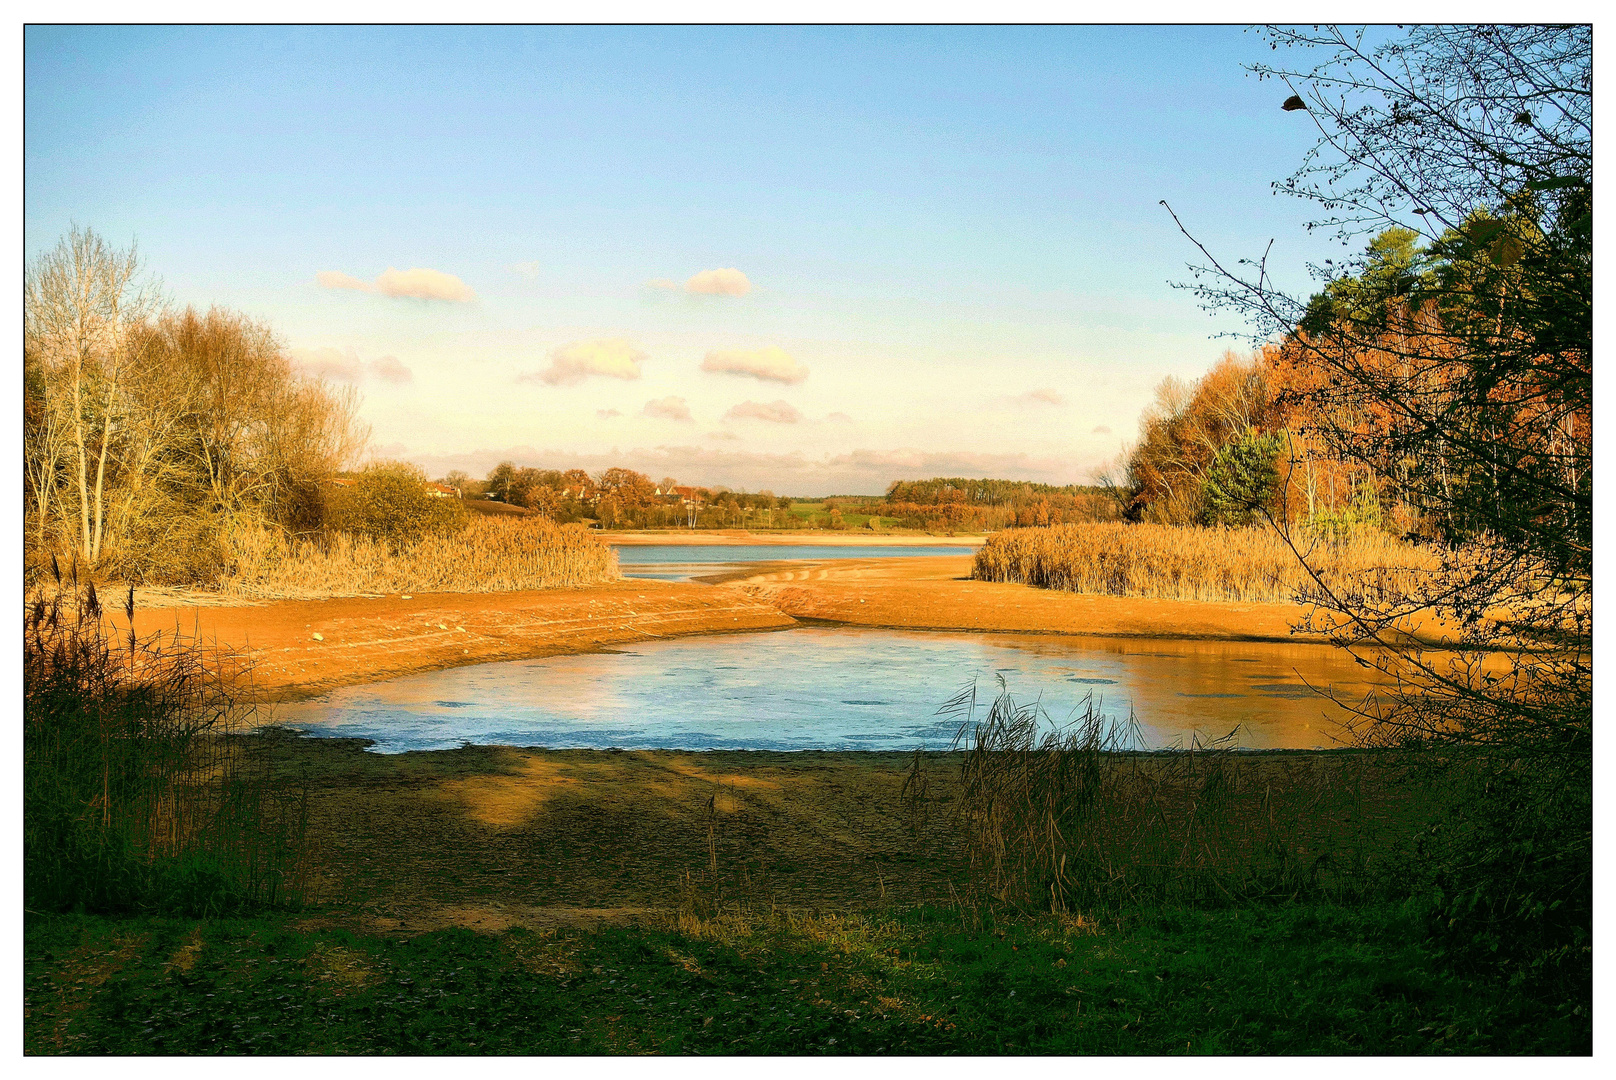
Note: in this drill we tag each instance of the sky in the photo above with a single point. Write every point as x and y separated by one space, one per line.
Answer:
806 260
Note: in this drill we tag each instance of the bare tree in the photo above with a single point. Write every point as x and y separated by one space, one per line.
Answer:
80 301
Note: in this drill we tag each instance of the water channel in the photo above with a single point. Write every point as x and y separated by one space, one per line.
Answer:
682 562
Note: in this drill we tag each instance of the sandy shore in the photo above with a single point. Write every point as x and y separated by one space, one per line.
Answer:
936 593
304 647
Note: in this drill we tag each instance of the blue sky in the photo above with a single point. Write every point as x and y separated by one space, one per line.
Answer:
955 232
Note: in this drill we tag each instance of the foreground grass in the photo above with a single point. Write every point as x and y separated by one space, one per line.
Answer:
1287 979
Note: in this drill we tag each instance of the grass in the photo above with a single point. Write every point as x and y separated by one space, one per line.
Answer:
461 915
1299 978
1187 563
489 555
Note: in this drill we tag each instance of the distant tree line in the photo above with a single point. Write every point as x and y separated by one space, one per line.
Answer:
958 503
619 498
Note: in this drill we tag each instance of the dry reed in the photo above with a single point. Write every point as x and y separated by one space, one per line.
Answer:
140 787
1077 817
1185 563
489 555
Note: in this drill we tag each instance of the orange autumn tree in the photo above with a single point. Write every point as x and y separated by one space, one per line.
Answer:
1450 362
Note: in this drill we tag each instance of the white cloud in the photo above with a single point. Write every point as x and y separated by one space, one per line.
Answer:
569 364
344 365
606 414
668 408
418 283
423 284
730 282
526 269
775 412
771 364
661 283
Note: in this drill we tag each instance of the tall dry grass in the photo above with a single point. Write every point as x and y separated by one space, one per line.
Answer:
1076 816
488 555
1189 563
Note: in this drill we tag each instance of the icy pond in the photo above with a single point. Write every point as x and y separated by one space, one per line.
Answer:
682 562
843 689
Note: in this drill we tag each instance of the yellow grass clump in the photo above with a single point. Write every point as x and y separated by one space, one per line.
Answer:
488 555
1186 563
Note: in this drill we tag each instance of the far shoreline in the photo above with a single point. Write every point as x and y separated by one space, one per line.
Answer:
746 537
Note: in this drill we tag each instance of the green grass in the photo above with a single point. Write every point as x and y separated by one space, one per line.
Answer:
1285 979
816 515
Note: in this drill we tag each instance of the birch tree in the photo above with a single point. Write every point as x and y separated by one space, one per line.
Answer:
81 300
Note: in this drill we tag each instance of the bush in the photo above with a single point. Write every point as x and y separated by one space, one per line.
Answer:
389 501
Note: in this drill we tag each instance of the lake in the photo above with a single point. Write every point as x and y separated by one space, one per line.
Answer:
681 562
842 689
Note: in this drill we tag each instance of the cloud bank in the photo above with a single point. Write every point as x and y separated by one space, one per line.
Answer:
862 472
774 412
770 365
418 284
730 282
668 408
613 358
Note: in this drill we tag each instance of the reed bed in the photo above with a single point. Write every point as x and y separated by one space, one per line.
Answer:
488 555
1076 817
1187 563
141 789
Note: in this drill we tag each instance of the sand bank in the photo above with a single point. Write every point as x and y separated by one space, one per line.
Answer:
303 647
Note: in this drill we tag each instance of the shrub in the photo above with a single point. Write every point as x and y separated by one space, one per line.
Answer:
389 501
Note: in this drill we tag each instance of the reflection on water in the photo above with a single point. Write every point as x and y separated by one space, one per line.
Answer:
681 562
827 689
